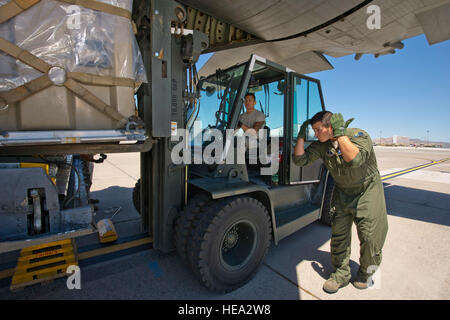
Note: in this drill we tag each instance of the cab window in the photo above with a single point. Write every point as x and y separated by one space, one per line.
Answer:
270 100
307 103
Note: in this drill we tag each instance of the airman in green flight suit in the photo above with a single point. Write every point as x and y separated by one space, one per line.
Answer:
358 195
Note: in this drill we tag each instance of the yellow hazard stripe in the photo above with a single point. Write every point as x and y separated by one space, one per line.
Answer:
61 243
21 278
30 255
24 266
413 169
114 248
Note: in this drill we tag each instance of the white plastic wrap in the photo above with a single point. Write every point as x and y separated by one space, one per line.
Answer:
76 38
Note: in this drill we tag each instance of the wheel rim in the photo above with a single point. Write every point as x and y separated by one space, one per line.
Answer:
238 245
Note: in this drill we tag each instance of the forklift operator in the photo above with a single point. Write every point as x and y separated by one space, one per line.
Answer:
358 195
251 120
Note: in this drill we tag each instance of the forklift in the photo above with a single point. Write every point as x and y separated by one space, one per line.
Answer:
221 218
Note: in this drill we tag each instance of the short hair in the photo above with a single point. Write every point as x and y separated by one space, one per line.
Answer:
322 116
250 94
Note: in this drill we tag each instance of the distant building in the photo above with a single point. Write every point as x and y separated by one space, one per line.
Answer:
394 140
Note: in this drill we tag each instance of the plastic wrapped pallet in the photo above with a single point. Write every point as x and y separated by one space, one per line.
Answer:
90 62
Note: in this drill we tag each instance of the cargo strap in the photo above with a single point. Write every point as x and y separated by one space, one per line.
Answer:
72 82
15 7
43 82
92 99
92 79
24 56
24 91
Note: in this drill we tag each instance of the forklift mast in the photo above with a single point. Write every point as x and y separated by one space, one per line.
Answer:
168 53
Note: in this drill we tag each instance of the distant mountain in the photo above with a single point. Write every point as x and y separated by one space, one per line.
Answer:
405 141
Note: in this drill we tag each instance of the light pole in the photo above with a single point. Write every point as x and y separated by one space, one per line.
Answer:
428 140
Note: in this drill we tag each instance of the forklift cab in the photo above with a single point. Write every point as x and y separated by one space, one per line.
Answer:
286 99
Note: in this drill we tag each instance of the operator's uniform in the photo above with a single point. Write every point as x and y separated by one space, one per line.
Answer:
249 119
358 197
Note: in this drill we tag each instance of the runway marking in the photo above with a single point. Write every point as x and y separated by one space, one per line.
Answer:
428 176
114 248
155 269
395 174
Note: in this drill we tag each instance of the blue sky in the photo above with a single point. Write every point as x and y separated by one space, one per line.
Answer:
406 93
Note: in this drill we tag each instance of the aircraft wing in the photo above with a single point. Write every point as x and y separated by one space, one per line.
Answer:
299 33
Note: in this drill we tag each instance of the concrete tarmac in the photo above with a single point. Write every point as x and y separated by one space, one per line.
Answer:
416 255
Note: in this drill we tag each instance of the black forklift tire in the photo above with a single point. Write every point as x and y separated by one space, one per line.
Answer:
184 223
325 217
229 243
137 196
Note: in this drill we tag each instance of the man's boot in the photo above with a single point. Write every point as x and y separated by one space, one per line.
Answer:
332 286
360 283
